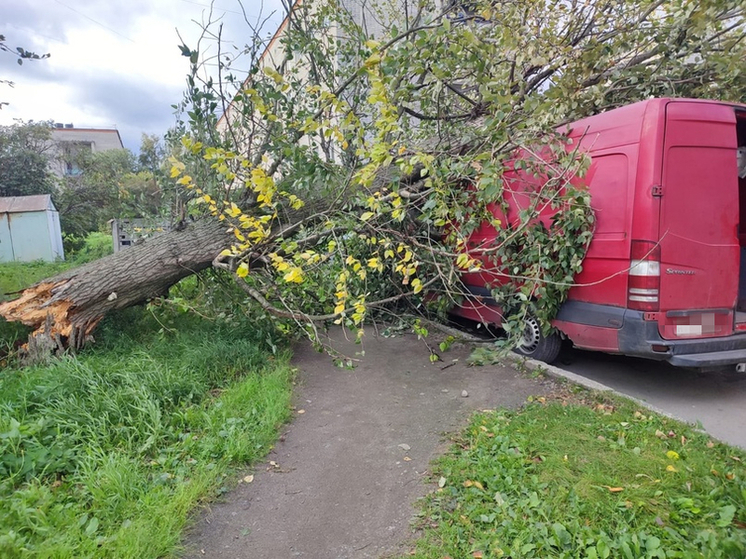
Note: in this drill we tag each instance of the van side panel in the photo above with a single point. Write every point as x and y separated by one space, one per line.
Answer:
611 184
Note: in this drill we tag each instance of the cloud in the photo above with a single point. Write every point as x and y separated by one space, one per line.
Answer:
112 63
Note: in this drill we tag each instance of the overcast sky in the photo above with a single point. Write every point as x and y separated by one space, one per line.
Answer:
114 63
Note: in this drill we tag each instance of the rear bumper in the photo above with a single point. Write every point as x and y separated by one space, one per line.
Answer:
636 337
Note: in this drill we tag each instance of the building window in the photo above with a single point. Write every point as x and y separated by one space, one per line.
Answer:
71 155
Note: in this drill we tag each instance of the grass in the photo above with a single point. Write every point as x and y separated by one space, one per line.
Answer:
15 276
107 454
584 478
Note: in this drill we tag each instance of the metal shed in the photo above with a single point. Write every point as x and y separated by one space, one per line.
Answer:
29 229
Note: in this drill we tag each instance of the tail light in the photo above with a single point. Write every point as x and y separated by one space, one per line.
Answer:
644 276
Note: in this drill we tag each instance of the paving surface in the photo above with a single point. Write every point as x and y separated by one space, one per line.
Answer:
342 482
717 400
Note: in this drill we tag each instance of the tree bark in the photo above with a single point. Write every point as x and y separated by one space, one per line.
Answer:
64 309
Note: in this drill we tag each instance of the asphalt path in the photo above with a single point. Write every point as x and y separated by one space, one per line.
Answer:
342 480
717 400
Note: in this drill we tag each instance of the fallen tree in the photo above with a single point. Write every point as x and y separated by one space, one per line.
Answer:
337 167
64 309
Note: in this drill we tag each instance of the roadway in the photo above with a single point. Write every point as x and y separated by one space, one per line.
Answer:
717 400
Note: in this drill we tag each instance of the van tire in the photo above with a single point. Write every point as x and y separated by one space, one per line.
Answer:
536 345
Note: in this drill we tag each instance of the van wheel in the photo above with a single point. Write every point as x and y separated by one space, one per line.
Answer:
536 345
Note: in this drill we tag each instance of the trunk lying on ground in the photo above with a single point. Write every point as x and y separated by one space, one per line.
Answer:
64 309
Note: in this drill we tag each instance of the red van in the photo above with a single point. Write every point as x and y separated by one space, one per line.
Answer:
665 274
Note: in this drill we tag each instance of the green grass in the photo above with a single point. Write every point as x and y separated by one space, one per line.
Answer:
107 454
15 276
585 479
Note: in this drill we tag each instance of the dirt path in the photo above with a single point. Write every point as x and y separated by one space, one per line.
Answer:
352 464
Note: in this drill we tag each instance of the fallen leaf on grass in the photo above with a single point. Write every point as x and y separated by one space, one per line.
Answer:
477 555
710 444
442 482
672 454
670 468
613 489
660 434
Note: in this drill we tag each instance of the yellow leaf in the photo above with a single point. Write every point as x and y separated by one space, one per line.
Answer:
248 479
416 285
670 468
243 270
672 454
373 60
366 216
468 483
234 210
295 275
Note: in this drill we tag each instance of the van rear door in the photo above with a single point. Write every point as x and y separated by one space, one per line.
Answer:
699 222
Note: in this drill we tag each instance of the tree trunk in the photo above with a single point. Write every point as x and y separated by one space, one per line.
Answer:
64 309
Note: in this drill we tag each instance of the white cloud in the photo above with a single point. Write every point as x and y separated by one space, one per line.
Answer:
114 63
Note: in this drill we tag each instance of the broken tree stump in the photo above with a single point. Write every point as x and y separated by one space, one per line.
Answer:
64 309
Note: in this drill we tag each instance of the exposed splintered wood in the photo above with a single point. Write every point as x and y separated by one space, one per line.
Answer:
64 309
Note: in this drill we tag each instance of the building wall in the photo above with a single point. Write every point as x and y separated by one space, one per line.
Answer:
66 142
6 241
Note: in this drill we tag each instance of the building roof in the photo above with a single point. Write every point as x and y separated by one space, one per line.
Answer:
17 204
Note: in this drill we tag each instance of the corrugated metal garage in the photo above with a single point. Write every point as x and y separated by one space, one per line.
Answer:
29 229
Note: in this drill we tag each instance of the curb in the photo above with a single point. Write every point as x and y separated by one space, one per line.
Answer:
525 363
522 363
